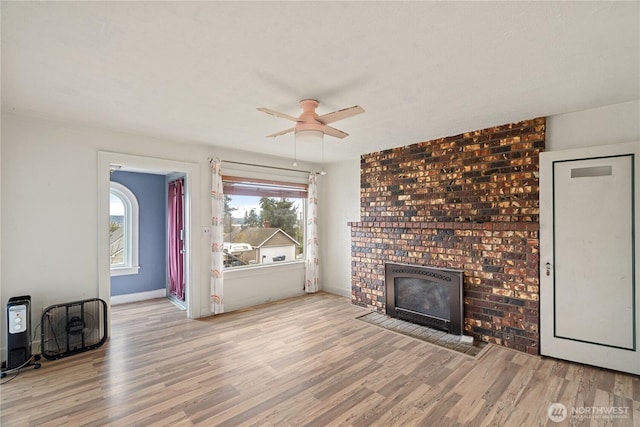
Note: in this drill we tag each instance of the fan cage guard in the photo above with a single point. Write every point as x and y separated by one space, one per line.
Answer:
73 328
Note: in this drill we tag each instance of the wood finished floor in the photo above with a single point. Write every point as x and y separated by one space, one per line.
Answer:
302 361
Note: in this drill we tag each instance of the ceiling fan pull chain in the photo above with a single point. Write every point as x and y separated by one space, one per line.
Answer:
322 171
295 151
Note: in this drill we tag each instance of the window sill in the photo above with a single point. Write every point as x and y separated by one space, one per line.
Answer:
125 271
252 269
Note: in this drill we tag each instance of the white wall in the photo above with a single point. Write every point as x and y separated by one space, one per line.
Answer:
600 126
49 211
249 286
3 315
339 203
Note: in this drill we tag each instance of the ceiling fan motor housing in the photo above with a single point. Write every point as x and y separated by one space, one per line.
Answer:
308 120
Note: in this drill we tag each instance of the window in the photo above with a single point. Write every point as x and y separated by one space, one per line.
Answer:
264 221
123 230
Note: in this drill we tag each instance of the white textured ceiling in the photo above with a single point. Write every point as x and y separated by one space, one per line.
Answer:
196 72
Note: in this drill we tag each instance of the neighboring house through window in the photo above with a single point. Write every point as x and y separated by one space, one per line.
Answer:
264 221
123 230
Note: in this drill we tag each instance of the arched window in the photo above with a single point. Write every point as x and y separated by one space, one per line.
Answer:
123 230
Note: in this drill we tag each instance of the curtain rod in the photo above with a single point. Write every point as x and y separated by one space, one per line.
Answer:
263 166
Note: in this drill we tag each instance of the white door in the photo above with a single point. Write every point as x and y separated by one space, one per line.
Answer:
589 296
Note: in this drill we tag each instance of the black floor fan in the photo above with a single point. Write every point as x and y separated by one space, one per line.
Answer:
73 328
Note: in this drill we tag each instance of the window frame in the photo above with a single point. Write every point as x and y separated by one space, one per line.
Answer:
131 230
277 189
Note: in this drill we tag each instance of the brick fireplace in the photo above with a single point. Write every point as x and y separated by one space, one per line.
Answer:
466 202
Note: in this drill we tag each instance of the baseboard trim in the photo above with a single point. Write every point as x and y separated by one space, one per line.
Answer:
140 296
337 291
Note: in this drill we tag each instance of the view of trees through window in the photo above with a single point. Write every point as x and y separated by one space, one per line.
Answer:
261 230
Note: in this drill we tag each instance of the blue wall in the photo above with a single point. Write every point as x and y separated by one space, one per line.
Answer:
150 190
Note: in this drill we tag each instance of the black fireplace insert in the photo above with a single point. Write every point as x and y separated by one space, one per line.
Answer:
425 295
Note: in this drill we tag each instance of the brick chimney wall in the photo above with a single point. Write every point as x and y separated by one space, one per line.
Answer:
467 202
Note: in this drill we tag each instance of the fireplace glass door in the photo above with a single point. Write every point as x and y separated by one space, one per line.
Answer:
423 296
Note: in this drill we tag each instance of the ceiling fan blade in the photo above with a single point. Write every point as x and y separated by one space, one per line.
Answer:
278 114
337 133
283 132
340 114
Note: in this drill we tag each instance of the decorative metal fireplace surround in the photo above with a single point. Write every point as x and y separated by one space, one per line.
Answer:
425 295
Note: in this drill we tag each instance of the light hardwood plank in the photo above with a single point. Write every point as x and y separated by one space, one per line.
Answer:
301 361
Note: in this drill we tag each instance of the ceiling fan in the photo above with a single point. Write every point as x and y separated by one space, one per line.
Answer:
309 121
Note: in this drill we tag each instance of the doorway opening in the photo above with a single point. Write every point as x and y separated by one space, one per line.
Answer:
146 236
166 171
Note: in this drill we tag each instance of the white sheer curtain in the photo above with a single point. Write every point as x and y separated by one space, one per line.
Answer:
311 276
217 238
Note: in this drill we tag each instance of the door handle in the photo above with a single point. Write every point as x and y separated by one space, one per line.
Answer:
547 268
182 251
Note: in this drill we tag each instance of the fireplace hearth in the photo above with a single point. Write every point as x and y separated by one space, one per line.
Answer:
425 295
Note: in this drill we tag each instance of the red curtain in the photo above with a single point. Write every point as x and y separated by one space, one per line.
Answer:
176 239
